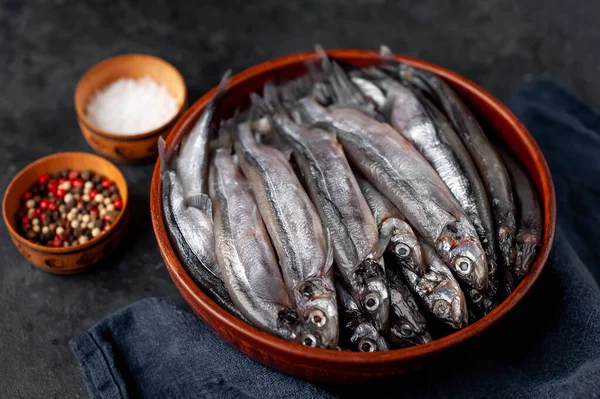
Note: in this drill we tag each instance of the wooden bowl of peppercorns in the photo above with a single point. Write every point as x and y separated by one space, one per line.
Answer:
67 211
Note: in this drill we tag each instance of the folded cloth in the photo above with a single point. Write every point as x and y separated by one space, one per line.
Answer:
549 346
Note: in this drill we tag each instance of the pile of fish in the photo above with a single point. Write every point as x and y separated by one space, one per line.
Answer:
351 208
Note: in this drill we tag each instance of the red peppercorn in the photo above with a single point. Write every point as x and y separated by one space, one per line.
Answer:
36 213
60 193
73 175
57 241
43 179
77 182
52 186
53 207
93 193
105 183
27 196
25 220
106 218
43 217
118 204
44 204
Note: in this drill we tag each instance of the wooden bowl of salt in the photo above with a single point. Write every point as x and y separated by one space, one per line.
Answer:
125 103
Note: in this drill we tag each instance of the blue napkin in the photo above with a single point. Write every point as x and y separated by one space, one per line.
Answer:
549 346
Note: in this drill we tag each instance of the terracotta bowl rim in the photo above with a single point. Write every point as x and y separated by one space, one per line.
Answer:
64 250
203 305
82 116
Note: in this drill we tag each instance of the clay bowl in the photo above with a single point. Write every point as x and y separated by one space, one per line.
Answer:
347 367
136 148
73 259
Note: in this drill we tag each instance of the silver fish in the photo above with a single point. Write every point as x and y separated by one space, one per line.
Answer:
357 331
192 239
438 290
490 166
529 234
399 172
192 162
343 210
295 229
394 233
486 227
246 258
408 324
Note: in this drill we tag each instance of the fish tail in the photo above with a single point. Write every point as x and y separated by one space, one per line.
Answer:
164 155
323 58
271 99
259 107
224 138
387 57
222 87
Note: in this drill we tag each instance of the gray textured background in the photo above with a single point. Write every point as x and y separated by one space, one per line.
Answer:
46 46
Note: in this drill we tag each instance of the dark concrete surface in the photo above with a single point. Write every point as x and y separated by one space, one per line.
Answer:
46 46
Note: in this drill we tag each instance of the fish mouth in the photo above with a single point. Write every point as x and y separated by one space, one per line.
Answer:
458 314
400 338
367 339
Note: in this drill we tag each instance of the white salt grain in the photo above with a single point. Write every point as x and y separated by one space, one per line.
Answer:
132 106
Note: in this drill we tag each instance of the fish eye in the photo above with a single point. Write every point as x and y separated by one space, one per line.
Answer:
406 330
366 345
463 265
441 308
476 296
317 318
309 340
372 302
402 250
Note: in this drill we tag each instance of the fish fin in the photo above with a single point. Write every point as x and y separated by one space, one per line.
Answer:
200 201
271 98
224 138
329 253
386 230
255 216
164 156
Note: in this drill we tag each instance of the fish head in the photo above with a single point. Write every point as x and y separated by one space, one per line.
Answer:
465 255
317 308
366 338
527 247
483 303
373 294
407 252
405 332
447 303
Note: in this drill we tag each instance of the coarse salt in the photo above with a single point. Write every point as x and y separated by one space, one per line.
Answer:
132 106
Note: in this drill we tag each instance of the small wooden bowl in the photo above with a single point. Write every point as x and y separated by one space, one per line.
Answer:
74 259
350 367
134 148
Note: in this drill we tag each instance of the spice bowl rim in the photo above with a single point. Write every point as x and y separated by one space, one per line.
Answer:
62 250
81 103
323 365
